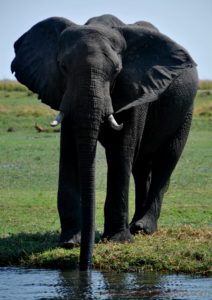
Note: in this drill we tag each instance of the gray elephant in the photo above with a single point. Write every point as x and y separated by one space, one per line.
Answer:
128 86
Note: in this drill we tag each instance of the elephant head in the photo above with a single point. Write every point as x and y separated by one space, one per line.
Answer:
89 73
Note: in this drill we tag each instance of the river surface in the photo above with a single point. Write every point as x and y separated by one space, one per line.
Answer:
25 283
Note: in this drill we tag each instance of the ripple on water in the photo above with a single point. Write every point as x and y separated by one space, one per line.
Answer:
25 283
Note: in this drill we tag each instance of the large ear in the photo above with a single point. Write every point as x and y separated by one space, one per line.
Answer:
150 63
35 64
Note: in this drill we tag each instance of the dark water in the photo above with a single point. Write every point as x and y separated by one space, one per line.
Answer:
21 283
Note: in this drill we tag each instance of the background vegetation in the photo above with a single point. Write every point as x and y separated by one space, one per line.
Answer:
29 223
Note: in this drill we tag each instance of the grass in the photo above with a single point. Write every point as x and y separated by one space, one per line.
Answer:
29 223
11 86
205 85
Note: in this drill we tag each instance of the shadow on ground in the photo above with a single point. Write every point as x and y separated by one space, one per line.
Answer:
36 249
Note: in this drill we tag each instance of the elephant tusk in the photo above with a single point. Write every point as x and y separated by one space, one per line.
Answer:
58 119
114 124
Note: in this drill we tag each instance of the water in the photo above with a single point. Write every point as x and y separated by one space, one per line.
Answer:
23 283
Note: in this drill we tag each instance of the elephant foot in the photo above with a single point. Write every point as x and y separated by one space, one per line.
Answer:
119 237
147 225
70 240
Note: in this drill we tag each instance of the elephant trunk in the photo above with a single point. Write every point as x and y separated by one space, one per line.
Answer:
87 143
87 135
87 153
65 110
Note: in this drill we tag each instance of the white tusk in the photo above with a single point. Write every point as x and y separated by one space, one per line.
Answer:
58 119
114 124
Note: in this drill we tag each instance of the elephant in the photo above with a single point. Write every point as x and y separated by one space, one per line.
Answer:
131 88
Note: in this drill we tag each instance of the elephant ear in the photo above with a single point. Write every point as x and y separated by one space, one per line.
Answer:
150 63
35 64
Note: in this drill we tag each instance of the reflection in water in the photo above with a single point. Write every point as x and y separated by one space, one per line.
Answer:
21 283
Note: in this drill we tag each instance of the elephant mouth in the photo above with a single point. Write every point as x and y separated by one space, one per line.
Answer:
111 120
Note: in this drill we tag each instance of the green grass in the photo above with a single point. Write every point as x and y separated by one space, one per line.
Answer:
29 223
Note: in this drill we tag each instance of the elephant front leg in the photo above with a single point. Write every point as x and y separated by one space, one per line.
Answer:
116 226
68 189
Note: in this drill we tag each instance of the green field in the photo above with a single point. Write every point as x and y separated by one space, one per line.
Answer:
29 223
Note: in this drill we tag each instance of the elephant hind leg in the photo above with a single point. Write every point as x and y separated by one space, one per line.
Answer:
163 163
142 173
143 220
